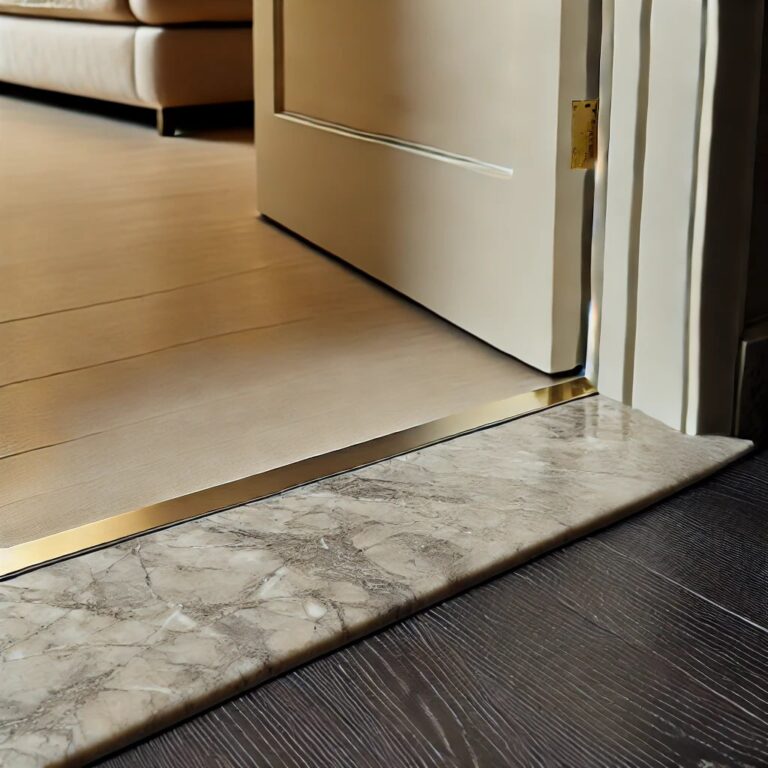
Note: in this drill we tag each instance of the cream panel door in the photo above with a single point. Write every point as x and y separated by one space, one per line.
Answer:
428 143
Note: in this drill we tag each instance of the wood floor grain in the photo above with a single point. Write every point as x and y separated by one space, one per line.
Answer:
711 541
644 645
159 338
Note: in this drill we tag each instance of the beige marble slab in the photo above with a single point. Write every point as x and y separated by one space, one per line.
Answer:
106 648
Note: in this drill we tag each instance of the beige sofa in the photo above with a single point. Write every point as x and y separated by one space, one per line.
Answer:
165 55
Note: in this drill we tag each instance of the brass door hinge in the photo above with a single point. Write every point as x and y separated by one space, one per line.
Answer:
584 134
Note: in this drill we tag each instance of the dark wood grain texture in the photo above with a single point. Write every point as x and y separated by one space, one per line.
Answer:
644 645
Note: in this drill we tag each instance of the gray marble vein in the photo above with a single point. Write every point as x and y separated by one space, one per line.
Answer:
103 649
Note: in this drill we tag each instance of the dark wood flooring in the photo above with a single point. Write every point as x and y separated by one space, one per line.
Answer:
643 645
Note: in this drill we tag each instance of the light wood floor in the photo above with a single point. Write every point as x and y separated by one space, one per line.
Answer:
158 338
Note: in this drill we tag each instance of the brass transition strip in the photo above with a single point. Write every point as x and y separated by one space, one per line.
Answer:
85 538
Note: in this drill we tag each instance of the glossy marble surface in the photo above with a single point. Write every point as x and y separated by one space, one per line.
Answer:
103 649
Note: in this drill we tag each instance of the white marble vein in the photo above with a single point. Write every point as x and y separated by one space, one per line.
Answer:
103 649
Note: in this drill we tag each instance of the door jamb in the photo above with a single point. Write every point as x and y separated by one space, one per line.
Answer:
673 351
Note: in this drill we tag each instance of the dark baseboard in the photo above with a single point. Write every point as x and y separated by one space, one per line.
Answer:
752 386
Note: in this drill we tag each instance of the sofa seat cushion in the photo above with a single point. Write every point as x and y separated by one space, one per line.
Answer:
135 64
95 10
164 12
154 12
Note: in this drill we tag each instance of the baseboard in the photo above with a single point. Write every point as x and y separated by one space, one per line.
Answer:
752 385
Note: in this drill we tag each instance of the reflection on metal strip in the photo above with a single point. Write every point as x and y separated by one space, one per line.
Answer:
470 163
29 555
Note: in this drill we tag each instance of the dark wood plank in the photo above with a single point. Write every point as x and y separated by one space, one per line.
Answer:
587 657
712 539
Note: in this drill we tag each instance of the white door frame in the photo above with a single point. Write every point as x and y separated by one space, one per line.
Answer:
679 95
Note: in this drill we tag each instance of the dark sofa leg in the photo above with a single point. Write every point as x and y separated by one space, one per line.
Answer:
167 121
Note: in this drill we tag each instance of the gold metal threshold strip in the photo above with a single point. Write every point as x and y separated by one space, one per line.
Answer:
85 538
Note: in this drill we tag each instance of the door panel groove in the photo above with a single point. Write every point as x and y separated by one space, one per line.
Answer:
435 153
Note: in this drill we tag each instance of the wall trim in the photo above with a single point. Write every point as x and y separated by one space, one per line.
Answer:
685 85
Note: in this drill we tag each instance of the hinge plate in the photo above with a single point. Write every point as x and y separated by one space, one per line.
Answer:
584 134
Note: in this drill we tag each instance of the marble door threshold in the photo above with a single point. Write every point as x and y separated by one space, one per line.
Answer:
85 538
104 649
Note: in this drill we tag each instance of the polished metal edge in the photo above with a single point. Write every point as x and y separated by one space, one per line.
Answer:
102 533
